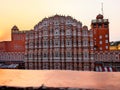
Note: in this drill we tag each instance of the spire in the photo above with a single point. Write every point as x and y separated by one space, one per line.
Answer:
102 8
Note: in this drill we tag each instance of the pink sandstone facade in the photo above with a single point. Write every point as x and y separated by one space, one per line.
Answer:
61 42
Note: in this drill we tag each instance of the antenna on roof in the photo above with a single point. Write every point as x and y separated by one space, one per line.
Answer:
102 8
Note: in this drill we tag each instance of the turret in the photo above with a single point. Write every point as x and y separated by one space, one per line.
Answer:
100 27
14 28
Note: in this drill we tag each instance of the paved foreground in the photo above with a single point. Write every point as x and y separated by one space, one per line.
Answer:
60 78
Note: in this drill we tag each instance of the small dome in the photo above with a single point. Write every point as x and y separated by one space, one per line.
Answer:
99 16
15 28
85 27
56 15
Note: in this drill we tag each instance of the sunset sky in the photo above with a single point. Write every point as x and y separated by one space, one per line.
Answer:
26 13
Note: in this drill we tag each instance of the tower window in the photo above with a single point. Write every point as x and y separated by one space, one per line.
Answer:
106 35
100 36
100 42
100 48
99 25
106 41
100 20
94 25
106 47
105 25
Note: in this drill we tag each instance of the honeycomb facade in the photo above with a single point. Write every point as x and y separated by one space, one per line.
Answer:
59 42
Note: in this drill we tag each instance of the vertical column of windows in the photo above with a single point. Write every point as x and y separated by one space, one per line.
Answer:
77 51
69 53
79 41
64 46
36 50
42 49
82 60
39 50
26 52
49 47
33 50
75 47
61 67
50 43
72 47
52 47
89 48
80 48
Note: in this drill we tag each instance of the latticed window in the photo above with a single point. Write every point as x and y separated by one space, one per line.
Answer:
62 54
56 54
91 43
31 55
45 42
45 65
85 43
85 33
56 32
45 33
39 43
56 65
62 29
74 41
51 31
44 54
79 42
62 42
91 33
69 66
85 55
74 32
80 55
68 54
68 42
50 42
56 42
68 32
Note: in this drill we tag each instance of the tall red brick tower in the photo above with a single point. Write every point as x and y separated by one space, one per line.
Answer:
18 40
100 27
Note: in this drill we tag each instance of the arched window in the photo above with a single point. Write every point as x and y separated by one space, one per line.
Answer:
69 54
56 32
56 54
44 54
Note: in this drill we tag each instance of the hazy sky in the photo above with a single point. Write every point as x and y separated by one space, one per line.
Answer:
26 13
